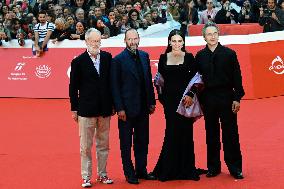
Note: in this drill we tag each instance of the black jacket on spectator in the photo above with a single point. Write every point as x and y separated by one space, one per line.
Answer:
38 7
252 18
200 7
110 3
221 17
114 31
184 17
82 36
137 24
255 8
74 6
159 20
13 34
60 35
270 25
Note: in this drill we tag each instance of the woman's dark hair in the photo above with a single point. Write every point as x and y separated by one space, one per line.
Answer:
109 11
172 33
144 2
91 22
186 4
14 21
96 26
83 23
132 11
279 3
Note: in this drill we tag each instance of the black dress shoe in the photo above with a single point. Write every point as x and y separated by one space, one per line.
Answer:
132 180
149 176
194 177
212 173
237 175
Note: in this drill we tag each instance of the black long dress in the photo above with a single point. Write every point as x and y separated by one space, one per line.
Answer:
177 159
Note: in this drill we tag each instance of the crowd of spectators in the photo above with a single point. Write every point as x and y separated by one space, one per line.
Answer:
41 20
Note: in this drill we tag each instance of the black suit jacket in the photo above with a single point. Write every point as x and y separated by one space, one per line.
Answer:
125 83
220 72
89 92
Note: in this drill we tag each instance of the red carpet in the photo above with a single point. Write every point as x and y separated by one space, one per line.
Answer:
39 147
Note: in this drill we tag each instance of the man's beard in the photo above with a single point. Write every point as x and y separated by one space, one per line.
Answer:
132 49
92 50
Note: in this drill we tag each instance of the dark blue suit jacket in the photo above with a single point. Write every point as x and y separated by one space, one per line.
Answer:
126 90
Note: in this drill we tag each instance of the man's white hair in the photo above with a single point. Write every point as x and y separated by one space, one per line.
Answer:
78 10
91 30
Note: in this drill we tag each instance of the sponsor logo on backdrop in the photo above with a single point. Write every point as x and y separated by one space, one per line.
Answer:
29 57
18 74
277 66
43 71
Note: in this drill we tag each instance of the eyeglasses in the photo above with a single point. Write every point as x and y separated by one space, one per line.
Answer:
133 14
209 3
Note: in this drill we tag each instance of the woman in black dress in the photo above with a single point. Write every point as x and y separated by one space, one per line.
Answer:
177 159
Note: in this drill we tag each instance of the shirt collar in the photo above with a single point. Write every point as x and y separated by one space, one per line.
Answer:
216 49
92 56
133 54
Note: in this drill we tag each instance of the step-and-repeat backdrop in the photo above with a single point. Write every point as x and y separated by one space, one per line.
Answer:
261 58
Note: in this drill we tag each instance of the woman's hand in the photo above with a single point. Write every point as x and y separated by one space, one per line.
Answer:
187 101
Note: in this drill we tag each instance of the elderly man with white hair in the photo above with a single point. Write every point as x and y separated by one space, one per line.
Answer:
91 105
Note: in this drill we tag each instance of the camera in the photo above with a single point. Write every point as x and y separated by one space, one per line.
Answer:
164 7
267 12
21 39
261 4
21 42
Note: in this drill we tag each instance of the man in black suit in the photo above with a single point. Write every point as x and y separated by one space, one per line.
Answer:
221 97
91 105
134 100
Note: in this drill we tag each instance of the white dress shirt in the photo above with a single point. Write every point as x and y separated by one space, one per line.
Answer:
96 61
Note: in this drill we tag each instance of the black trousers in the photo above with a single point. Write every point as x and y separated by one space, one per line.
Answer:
136 128
218 111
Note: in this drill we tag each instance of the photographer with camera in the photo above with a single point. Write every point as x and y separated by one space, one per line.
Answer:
134 20
188 17
208 14
281 4
17 32
155 16
4 33
227 15
271 17
173 9
113 23
247 15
